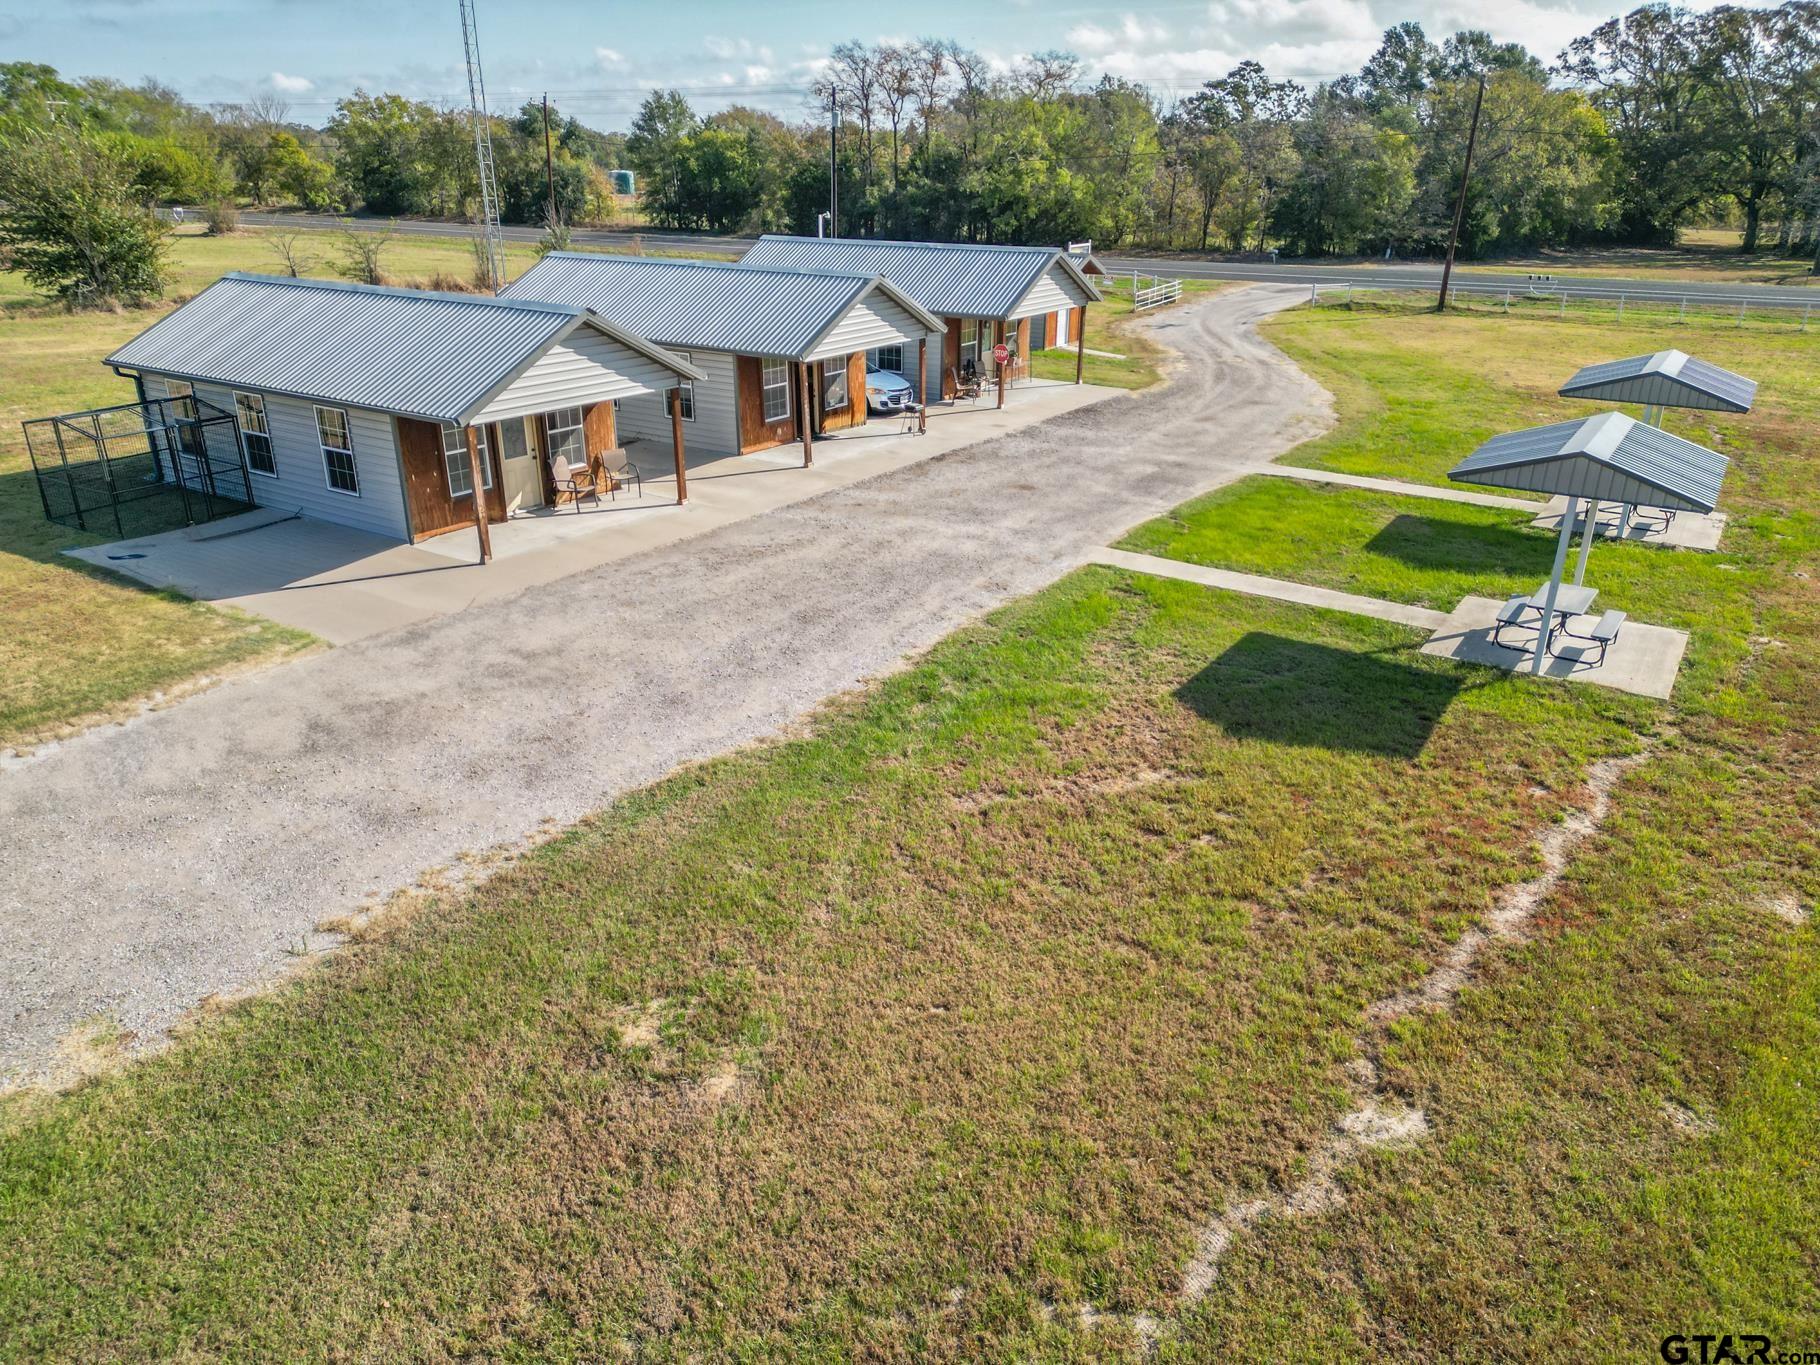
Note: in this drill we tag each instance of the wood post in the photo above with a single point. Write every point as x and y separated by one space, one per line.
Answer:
1004 371
1080 345
922 386
676 444
805 419
477 478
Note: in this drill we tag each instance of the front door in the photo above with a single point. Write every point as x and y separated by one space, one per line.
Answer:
523 473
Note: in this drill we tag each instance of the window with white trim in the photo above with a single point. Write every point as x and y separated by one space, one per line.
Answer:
460 467
887 358
567 438
255 435
970 341
775 384
834 384
337 442
183 413
686 388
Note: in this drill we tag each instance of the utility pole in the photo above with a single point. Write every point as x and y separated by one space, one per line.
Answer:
549 167
833 160
1459 206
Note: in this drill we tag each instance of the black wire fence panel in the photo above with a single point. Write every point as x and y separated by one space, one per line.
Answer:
140 468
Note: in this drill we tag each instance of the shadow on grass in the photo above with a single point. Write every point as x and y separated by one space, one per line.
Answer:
1431 542
1294 692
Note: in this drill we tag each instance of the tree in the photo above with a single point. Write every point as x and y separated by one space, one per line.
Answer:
71 220
654 150
298 176
1761 66
363 253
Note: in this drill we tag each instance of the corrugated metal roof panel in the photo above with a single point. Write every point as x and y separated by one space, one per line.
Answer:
1670 378
395 350
700 305
1610 456
951 279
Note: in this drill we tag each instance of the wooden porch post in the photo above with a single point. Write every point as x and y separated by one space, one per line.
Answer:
922 386
477 476
1004 371
676 444
1080 345
804 418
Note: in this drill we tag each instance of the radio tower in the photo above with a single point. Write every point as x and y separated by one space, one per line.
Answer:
483 151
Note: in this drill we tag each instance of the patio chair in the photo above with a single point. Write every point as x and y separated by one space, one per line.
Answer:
1510 614
966 381
575 480
620 471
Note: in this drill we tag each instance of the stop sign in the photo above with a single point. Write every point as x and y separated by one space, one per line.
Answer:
1001 353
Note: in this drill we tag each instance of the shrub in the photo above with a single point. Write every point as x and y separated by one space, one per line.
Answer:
362 253
222 217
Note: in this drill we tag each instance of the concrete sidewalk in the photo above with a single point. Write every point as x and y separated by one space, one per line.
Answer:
345 585
1282 589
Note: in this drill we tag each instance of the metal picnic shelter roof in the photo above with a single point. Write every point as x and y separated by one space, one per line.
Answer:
1671 379
1608 458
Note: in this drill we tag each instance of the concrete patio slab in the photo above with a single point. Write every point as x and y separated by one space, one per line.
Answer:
1282 589
1643 660
345 585
1688 531
1399 487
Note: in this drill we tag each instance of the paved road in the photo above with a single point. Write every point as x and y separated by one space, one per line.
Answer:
147 867
1397 276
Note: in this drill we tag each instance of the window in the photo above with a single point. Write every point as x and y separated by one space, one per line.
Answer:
182 409
461 469
970 341
337 451
776 377
687 391
888 358
834 384
567 438
249 409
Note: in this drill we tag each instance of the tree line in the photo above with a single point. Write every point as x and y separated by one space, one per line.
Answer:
1650 122
1647 123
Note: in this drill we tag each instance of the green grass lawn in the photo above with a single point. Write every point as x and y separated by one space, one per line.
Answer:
969 1004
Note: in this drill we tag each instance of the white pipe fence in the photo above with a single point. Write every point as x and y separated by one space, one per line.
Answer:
1340 294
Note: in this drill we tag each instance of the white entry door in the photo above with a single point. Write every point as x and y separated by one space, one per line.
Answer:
1061 327
519 455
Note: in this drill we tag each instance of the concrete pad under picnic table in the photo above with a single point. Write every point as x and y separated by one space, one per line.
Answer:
1688 531
1642 660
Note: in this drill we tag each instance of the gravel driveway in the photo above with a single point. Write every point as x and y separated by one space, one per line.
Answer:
146 867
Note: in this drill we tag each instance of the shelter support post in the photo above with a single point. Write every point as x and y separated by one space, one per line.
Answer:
807 413
1080 346
477 476
1624 521
676 446
922 386
1591 517
1004 371
1554 584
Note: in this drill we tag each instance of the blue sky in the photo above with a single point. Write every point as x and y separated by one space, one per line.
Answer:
597 58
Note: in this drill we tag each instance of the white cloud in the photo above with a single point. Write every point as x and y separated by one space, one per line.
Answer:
606 56
1132 32
731 49
291 85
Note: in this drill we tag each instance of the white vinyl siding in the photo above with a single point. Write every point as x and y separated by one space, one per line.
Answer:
299 486
774 377
584 368
456 461
1054 288
255 436
876 320
715 429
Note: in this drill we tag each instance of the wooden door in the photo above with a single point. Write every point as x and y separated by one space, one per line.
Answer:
951 356
755 433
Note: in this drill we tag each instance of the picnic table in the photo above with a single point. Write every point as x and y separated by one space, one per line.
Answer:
1571 599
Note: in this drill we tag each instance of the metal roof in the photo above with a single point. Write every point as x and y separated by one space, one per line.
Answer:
1671 379
953 279
414 352
708 305
1610 457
